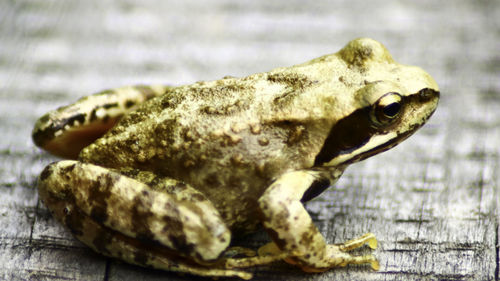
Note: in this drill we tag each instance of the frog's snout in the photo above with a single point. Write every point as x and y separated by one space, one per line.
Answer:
427 98
428 94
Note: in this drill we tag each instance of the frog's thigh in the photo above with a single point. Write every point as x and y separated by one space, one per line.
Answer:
293 230
143 222
67 130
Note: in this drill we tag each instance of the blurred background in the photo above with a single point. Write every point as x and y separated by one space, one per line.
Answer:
432 201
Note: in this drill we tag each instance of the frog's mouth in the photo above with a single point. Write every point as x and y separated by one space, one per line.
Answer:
375 145
355 137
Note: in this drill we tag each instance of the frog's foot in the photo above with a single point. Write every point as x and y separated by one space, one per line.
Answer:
337 256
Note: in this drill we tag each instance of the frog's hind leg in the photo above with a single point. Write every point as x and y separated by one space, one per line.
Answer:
138 217
66 130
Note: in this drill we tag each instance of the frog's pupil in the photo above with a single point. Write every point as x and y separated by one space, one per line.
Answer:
392 109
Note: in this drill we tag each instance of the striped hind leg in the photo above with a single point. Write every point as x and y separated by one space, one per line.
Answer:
68 129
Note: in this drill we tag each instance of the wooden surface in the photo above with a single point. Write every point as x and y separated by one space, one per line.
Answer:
432 201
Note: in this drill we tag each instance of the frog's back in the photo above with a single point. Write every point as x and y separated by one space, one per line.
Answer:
223 137
238 119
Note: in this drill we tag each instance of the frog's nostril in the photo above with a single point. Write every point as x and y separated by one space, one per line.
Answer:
428 94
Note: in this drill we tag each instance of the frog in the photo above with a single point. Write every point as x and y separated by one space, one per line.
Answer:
167 176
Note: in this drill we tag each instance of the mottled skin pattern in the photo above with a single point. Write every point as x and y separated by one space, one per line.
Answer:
170 183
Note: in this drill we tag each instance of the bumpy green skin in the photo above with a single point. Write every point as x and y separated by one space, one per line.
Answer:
175 177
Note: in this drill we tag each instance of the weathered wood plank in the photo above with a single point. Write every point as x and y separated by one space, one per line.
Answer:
432 201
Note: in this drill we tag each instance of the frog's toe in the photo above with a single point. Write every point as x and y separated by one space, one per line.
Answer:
237 251
253 261
338 256
368 239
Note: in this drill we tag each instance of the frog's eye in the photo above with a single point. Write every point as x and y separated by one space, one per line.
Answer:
387 108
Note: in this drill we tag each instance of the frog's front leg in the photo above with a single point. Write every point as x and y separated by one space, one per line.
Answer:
293 231
68 129
138 217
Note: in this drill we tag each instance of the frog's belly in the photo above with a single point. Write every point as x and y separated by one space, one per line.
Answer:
233 192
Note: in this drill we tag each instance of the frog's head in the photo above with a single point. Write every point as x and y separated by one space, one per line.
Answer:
393 103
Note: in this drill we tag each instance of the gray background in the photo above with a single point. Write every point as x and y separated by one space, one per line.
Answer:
432 201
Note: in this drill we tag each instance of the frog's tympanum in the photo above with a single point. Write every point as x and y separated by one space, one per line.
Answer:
165 177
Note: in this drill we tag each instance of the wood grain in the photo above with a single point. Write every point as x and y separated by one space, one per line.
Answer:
432 201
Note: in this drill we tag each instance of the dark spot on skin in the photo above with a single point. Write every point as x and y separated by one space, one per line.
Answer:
316 188
99 191
67 170
129 103
102 239
174 229
45 118
109 105
212 180
47 172
41 137
307 237
76 118
156 183
99 214
283 216
166 103
356 55
74 220
93 115
140 214
181 244
295 84
291 79
425 95
281 243
141 258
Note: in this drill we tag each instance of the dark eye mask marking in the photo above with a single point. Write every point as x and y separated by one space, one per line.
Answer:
346 135
356 130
